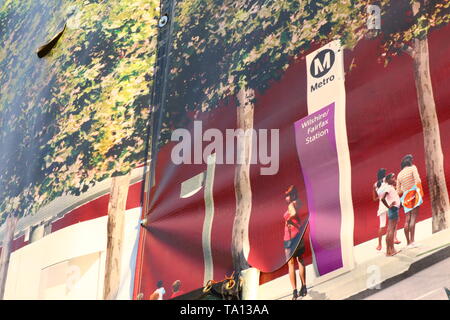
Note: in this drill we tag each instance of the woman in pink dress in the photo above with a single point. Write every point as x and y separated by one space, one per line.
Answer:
293 244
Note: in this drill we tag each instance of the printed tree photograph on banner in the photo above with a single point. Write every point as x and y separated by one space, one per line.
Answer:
233 49
76 115
230 67
232 149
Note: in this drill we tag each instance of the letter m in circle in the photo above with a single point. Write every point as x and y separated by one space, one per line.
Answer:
322 63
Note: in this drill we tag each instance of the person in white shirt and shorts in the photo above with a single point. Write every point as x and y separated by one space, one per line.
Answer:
382 210
390 198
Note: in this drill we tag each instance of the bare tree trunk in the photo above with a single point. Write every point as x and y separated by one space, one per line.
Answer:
243 191
11 223
116 218
434 158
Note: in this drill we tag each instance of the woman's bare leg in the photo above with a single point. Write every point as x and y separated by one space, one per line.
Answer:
391 231
301 271
412 223
394 232
292 276
381 232
396 241
388 238
407 221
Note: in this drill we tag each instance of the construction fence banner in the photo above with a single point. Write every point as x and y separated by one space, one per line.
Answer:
275 112
195 141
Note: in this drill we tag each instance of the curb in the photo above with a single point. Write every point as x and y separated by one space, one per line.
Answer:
414 268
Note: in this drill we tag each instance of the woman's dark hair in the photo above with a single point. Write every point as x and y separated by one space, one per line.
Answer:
159 284
380 176
389 176
292 193
406 162
408 156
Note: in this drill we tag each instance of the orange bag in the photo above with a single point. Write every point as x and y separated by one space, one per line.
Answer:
419 186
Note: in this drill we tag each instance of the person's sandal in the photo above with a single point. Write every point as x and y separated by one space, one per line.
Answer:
303 291
294 295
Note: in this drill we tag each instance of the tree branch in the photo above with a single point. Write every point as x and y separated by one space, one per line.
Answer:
409 50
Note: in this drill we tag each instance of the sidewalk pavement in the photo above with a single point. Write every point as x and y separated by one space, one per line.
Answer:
426 279
372 271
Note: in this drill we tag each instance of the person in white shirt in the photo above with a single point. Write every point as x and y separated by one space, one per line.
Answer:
382 210
159 293
390 198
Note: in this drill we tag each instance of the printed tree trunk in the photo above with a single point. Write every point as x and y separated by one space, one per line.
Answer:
434 158
242 186
116 220
11 223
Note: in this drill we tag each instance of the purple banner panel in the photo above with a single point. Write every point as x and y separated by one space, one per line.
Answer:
316 147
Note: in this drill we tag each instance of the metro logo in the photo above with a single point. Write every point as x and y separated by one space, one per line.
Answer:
322 63
320 84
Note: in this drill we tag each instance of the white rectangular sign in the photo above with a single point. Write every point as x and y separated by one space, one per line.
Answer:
326 85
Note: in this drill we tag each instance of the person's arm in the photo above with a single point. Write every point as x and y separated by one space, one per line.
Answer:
384 201
292 211
416 175
374 193
399 187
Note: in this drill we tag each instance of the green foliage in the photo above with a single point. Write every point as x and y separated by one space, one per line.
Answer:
406 20
80 114
221 46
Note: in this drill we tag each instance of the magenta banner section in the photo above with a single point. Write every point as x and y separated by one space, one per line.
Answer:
316 148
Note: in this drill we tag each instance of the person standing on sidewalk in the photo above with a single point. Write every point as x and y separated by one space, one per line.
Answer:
382 210
293 243
159 293
176 289
390 198
408 178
